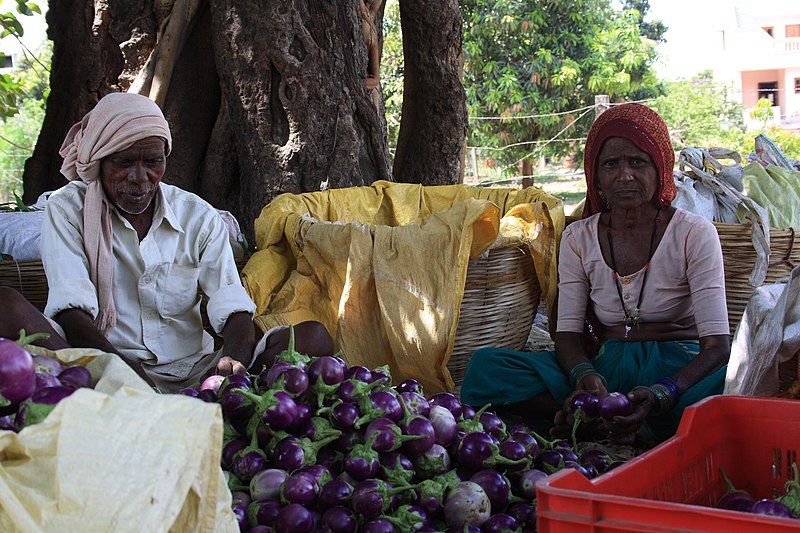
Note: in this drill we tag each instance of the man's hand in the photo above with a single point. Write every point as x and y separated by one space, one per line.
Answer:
624 428
228 365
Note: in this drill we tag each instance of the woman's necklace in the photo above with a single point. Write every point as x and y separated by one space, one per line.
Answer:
632 318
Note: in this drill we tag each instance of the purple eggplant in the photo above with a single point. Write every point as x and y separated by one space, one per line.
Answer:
514 451
614 404
353 390
324 375
467 503
379 404
444 424
493 425
373 497
734 499
381 374
527 440
331 459
379 525
207 395
449 401
419 435
524 514
527 483
567 454
7 423
549 461
344 415
386 436
358 373
416 403
396 468
300 488
496 487
263 513
47 365
249 461
40 404
579 467
292 453
320 474
303 414
294 381
334 492
347 440
268 378
477 451
467 411
319 428
409 385
338 519
586 402
266 485
44 379
771 508
362 462
189 391
295 518
500 523
234 404
433 462
276 408
597 459
17 373
240 512
212 383
230 450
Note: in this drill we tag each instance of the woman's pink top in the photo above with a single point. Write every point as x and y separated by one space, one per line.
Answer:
686 278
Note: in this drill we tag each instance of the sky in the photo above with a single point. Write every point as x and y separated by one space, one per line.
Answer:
35 28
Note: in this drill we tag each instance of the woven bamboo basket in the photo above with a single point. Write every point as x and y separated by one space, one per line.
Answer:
27 278
739 256
501 295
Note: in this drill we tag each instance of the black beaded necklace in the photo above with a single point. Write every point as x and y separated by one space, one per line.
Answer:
632 318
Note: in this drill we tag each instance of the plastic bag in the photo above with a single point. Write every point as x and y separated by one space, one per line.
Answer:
117 458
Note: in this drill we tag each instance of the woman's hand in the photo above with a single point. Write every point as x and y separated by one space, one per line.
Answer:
624 428
593 384
564 419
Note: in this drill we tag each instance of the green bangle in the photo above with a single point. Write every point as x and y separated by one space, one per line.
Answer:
580 371
665 401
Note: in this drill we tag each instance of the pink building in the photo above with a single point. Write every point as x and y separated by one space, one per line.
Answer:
761 58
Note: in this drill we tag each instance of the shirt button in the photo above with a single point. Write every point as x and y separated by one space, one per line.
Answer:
627 296
625 281
147 279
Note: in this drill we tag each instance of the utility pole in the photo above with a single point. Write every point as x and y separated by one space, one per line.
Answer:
601 104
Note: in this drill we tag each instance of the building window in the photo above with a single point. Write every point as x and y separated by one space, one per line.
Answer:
797 86
768 29
769 90
793 30
7 62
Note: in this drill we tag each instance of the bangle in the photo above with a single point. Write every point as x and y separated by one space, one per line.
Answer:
665 400
672 386
580 371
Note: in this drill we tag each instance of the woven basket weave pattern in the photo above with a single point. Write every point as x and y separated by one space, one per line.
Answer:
501 295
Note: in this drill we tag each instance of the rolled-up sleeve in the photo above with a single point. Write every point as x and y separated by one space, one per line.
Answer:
219 279
65 263
706 276
573 285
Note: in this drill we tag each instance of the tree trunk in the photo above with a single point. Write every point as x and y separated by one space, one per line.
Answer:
265 98
433 125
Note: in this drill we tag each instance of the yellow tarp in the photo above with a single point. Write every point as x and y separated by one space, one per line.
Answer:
383 267
116 458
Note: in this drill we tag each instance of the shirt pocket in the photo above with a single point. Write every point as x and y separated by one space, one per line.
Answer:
180 291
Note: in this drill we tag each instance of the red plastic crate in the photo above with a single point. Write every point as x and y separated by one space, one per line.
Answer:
675 485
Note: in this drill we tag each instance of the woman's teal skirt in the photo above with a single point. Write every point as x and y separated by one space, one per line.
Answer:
503 377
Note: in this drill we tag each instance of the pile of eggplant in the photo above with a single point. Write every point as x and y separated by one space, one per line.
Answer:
31 386
317 445
786 506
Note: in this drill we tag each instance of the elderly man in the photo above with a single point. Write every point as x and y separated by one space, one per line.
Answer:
125 255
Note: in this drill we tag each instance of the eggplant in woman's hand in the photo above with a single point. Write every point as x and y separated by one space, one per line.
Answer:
614 404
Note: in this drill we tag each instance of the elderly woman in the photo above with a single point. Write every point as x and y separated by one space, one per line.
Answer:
652 276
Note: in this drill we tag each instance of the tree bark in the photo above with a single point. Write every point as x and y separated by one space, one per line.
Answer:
433 125
266 97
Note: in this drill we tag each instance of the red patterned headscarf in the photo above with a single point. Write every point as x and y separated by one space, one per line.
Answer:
644 128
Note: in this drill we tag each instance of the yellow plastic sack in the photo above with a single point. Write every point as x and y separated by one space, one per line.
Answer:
116 458
383 267
777 190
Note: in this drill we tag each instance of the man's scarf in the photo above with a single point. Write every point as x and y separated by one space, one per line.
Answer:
116 122
644 128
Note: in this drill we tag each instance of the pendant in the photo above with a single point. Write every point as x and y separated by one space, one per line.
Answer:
628 326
